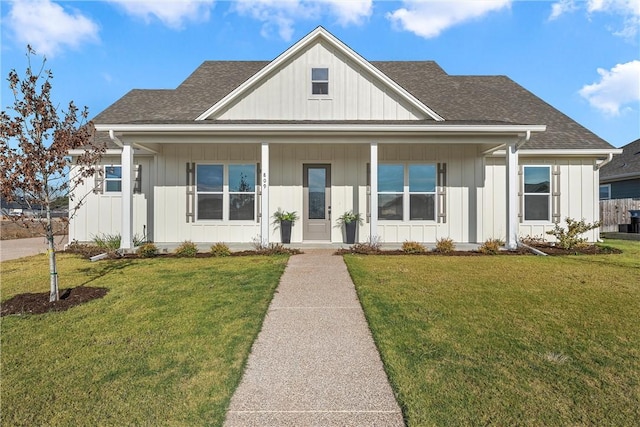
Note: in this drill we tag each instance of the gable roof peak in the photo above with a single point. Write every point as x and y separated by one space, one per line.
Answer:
319 33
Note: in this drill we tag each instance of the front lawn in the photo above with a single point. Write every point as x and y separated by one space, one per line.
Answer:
165 346
508 340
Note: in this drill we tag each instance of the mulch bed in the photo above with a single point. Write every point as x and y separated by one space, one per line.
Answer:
30 303
548 249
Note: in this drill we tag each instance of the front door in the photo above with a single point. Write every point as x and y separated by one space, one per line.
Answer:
317 202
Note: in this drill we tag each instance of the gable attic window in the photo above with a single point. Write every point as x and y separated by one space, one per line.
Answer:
320 81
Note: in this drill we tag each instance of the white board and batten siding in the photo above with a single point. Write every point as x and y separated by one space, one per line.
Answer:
170 193
578 187
353 93
101 213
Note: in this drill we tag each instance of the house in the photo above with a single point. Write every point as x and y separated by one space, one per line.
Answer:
320 130
620 179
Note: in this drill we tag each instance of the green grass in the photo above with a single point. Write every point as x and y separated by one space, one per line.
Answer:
508 340
165 346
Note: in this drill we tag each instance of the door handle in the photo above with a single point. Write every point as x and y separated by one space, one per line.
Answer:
329 213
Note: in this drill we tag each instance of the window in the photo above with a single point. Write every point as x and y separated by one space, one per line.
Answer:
422 192
236 198
209 186
537 193
320 81
407 192
242 192
605 192
113 179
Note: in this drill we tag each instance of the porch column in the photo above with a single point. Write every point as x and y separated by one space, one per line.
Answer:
264 200
511 161
373 197
126 235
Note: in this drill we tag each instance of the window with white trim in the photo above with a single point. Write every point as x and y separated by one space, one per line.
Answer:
113 179
320 81
407 192
537 193
605 191
233 198
242 192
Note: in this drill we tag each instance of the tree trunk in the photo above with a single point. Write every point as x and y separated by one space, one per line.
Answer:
51 251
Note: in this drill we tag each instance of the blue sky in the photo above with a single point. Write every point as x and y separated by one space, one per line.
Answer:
582 57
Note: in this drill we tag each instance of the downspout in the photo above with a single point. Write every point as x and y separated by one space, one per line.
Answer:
604 162
115 139
524 140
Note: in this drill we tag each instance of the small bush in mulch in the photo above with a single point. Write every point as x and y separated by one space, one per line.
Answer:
491 246
187 249
409 247
445 245
147 250
31 303
220 250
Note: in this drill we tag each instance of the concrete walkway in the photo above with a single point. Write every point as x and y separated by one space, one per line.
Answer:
314 363
18 248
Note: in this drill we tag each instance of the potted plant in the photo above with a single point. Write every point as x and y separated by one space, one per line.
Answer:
285 221
350 220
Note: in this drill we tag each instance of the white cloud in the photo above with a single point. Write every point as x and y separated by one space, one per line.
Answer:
562 7
280 15
617 87
171 13
48 27
428 19
628 10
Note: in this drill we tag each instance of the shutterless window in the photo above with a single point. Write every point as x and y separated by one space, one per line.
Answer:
605 192
320 81
113 179
210 191
242 192
537 193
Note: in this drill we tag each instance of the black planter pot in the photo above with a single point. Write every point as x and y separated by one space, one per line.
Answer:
285 231
350 231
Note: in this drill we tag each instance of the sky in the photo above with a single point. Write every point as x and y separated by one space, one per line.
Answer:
582 57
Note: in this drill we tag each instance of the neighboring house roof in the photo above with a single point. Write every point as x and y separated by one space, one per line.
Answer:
623 166
457 99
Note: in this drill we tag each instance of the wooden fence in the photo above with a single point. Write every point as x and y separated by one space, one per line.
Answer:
616 211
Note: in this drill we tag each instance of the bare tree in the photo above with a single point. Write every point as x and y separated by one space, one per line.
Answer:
35 140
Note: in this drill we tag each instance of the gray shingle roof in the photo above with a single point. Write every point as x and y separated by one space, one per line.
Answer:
622 164
472 99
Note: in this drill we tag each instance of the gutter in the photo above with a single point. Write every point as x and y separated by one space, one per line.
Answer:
604 162
318 127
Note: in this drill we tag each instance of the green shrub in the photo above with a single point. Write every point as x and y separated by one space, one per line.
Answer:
445 245
187 249
111 242
147 250
108 242
413 248
491 246
569 238
220 250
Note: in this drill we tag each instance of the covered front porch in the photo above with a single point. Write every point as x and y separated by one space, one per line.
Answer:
452 198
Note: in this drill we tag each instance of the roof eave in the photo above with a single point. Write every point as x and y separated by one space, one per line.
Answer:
319 128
